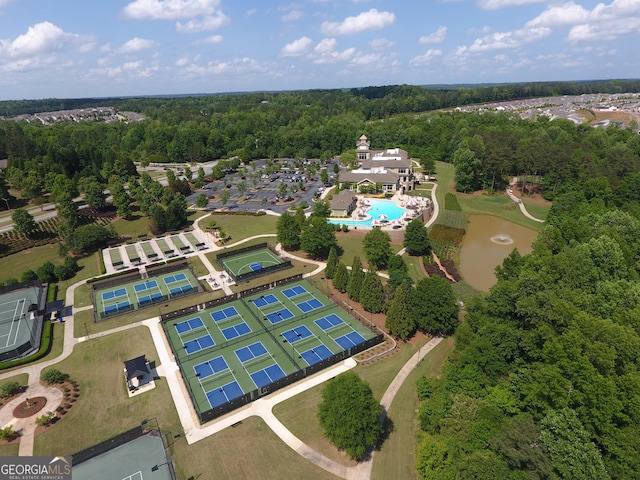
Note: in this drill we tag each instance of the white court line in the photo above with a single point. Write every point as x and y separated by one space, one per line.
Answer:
15 315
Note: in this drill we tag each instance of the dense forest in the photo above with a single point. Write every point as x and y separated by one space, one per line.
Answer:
544 382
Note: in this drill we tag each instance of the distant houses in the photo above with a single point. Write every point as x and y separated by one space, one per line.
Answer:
388 170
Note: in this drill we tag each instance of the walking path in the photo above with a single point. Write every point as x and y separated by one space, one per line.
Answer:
169 368
523 209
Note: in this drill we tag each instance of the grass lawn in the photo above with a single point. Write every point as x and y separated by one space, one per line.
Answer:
242 226
32 258
500 206
138 225
10 449
21 378
299 413
396 457
351 244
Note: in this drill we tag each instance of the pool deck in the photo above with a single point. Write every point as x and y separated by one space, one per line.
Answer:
361 212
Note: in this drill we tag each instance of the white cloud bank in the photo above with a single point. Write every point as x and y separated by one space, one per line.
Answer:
373 19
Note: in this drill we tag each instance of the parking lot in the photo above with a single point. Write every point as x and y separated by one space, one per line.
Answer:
263 189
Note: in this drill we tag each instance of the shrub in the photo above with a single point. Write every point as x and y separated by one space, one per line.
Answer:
53 376
9 388
43 420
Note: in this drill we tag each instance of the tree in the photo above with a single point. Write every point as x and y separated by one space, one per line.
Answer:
322 208
9 388
349 414
288 231
282 190
94 194
416 238
23 222
46 272
372 293
332 263
224 196
399 321
87 238
341 278
202 201
318 237
434 306
377 248
28 275
398 271
356 279
324 176
572 452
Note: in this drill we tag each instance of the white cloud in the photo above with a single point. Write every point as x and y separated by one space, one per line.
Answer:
292 16
297 48
137 45
170 9
208 22
213 39
607 22
381 43
514 39
44 37
436 37
365 21
566 14
428 57
496 4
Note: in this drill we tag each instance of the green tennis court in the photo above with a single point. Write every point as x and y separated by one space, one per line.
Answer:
236 351
252 261
20 322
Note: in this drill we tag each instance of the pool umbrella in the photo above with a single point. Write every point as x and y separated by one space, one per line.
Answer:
412 202
382 216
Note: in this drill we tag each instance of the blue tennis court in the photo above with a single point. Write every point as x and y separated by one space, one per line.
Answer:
280 316
224 313
178 277
146 299
120 292
350 340
236 331
330 321
179 290
224 394
316 354
255 267
118 307
206 369
264 300
296 334
309 305
189 325
294 291
193 346
141 287
267 376
250 352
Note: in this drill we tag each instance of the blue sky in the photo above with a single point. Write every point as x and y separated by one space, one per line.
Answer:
90 48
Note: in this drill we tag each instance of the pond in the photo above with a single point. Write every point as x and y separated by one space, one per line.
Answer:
487 242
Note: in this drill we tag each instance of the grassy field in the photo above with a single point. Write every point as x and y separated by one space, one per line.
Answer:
239 227
14 265
396 458
501 206
351 244
56 346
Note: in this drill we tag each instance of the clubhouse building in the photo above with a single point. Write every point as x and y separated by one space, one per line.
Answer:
389 170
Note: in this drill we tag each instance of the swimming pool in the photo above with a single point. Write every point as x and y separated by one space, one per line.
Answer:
378 208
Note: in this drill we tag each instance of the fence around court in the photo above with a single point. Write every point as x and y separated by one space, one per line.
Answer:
301 373
239 251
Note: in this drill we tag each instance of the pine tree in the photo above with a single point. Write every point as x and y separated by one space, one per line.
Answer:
399 321
332 263
372 293
341 278
356 279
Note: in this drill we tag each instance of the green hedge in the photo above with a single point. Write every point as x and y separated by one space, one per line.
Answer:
45 348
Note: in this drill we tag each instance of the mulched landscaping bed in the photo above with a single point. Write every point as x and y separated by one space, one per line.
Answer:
29 407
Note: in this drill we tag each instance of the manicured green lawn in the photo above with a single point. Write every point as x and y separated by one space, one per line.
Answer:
351 244
501 206
242 226
33 258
